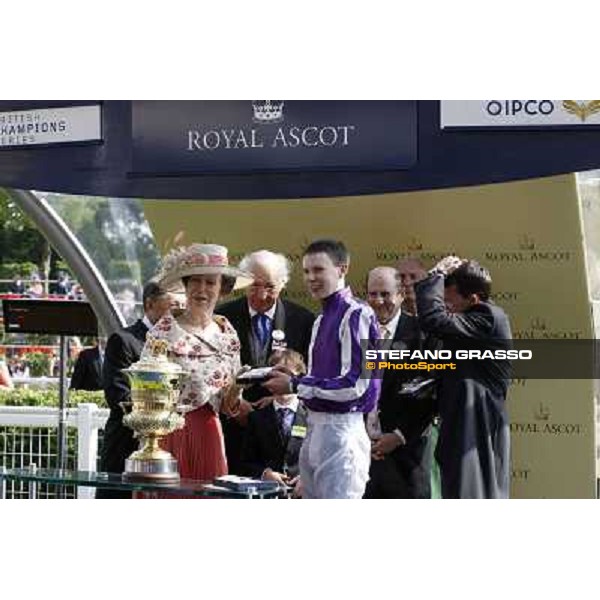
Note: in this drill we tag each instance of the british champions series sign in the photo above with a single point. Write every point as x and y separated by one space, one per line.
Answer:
50 126
273 135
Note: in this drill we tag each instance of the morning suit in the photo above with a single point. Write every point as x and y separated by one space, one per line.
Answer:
404 472
87 372
122 349
474 439
266 446
294 321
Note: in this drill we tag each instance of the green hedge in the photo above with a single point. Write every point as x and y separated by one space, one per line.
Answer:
47 397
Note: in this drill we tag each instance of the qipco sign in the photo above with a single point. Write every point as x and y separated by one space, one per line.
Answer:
519 113
512 108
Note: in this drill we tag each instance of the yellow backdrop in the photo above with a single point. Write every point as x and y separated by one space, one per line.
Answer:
527 233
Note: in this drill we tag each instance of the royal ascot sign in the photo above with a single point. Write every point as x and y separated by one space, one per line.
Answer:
273 135
519 113
50 126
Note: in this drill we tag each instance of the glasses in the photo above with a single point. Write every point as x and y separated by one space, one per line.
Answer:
268 288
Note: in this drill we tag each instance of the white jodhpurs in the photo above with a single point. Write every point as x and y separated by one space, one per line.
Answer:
335 456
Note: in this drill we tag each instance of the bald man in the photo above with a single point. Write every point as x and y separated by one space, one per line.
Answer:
399 427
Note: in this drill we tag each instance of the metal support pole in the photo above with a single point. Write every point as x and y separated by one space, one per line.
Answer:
32 485
68 246
3 471
62 406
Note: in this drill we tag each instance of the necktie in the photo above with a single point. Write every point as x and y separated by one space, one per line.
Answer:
285 417
385 332
261 328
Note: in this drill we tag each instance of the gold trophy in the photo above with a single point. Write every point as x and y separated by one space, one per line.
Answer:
155 385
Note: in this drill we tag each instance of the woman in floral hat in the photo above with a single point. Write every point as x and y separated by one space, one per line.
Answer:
207 347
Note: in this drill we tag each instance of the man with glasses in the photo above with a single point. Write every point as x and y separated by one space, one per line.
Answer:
264 323
399 425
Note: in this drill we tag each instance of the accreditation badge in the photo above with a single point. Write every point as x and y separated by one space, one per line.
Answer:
278 337
299 431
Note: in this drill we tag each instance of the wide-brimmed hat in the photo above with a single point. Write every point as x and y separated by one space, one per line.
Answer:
198 259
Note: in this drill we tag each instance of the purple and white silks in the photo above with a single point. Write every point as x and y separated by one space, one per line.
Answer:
334 383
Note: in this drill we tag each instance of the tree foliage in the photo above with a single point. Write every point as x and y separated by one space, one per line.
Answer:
113 231
20 240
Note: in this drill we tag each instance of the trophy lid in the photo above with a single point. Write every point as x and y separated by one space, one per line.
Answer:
154 359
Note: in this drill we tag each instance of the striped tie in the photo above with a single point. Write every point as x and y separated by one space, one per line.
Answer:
261 328
285 422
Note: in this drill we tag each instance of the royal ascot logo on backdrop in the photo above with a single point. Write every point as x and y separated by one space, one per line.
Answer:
541 413
414 245
414 249
248 136
538 323
526 242
540 330
266 113
518 382
505 296
528 251
543 424
521 473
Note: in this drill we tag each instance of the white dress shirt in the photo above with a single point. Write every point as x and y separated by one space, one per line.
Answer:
292 404
270 313
391 325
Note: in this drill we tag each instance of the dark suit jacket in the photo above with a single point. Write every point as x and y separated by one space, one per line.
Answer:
264 446
87 372
474 441
411 416
404 473
122 349
295 321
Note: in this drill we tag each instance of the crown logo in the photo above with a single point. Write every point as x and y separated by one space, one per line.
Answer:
541 413
526 243
414 245
266 111
538 323
583 110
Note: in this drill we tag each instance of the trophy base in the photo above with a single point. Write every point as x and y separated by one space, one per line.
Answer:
144 469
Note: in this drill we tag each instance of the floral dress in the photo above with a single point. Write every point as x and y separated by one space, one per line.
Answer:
211 361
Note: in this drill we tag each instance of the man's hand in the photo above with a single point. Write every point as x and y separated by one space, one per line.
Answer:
264 401
448 264
244 410
244 369
297 493
232 400
278 382
387 443
270 475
